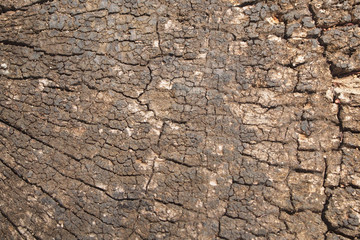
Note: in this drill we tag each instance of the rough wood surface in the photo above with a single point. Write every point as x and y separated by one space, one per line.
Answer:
186 119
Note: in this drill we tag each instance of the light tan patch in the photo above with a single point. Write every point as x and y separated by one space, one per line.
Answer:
347 89
235 2
273 20
236 15
238 48
78 132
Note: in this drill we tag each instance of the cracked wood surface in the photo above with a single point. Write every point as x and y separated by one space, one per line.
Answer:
189 119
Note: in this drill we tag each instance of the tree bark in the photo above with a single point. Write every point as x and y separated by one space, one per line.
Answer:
189 119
